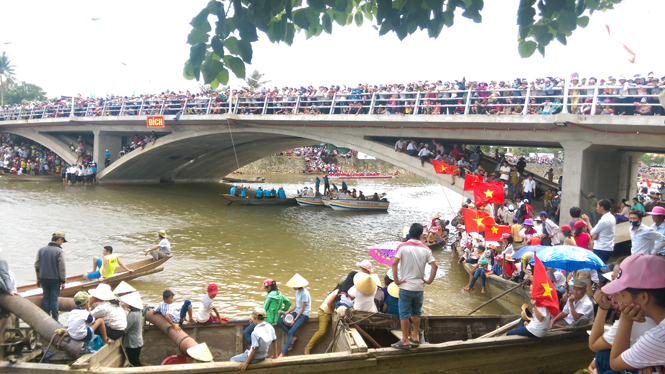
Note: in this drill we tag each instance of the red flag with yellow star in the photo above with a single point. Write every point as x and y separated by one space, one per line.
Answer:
441 167
487 193
471 180
494 232
473 220
543 290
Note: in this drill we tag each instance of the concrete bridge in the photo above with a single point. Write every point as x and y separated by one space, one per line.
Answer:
601 152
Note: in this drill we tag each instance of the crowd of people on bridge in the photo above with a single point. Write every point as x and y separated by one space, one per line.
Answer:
636 95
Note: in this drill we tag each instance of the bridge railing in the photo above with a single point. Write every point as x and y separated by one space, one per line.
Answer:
586 100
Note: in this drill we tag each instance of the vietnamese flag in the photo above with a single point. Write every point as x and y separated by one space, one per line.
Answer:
543 290
487 193
441 167
489 221
494 232
473 220
471 180
648 183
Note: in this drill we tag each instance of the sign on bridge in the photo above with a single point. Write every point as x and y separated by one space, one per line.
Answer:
155 121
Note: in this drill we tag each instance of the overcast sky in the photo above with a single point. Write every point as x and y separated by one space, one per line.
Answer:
140 46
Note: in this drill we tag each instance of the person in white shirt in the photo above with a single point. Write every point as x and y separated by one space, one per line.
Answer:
538 326
578 310
424 154
204 313
162 249
505 172
603 233
529 187
644 238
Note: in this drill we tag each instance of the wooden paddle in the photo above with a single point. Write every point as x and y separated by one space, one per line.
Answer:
494 298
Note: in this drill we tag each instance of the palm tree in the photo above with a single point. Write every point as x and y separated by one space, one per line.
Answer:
6 71
254 81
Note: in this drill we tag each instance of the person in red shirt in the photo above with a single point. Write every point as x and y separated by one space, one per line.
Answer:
455 152
581 235
509 267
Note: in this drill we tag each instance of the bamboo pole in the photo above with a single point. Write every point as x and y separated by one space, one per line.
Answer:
364 334
39 321
494 298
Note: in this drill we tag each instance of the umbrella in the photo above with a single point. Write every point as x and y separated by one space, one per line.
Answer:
428 269
569 258
384 252
529 248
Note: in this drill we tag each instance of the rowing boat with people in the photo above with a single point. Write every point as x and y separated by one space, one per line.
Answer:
252 201
362 342
81 282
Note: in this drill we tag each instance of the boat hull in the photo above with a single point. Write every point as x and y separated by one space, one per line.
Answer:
257 202
236 180
378 206
310 201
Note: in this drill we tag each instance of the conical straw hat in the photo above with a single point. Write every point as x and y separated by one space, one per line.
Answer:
102 292
200 353
297 281
133 299
364 283
124 287
393 290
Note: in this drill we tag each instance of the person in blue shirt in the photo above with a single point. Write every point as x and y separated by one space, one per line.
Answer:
273 193
334 187
318 183
233 190
326 185
259 193
344 187
281 193
243 193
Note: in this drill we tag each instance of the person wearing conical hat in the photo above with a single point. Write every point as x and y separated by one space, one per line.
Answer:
108 308
263 336
391 305
123 288
300 314
161 250
133 338
363 290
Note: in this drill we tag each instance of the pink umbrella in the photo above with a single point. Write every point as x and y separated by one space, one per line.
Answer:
384 252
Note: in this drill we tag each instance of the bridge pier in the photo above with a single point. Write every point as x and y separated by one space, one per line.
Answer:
603 170
105 140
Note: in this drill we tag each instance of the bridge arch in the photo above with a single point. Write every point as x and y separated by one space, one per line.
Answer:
60 148
199 156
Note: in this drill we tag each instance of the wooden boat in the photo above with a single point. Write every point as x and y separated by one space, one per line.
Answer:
360 176
450 344
242 180
496 285
310 201
81 282
255 202
353 204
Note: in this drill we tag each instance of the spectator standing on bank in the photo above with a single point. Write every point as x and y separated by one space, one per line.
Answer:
603 233
162 249
413 256
593 203
51 273
529 188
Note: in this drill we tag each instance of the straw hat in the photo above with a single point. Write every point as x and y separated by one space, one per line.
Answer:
297 281
526 313
200 353
364 283
162 233
124 287
133 299
102 292
393 290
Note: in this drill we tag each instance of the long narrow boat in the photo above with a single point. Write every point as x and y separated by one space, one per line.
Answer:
450 344
310 201
360 176
255 202
353 204
241 180
80 282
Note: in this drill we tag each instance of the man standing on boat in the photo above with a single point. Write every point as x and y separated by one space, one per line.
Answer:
414 257
51 273
162 249
326 184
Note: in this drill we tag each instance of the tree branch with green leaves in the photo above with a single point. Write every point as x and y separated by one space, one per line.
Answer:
228 45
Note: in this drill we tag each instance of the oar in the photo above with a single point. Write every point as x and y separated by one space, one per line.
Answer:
494 298
505 328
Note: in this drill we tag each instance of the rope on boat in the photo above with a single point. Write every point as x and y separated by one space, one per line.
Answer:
336 332
59 332
360 320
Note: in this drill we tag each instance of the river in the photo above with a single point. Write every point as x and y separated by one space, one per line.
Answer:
235 246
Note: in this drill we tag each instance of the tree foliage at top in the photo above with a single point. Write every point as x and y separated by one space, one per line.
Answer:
226 44
24 92
255 82
6 75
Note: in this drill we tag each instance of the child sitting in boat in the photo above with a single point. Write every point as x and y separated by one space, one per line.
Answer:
174 316
204 313
262 337
81 325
